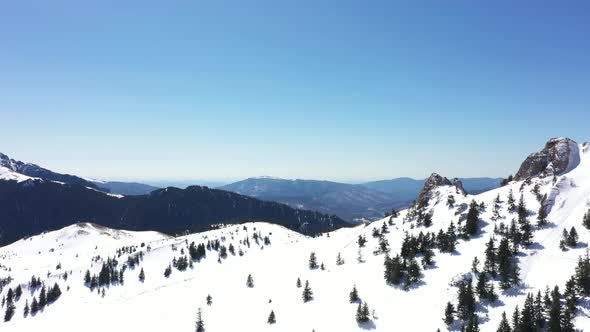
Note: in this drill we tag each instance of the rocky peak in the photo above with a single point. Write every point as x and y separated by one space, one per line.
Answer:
559 156
434 181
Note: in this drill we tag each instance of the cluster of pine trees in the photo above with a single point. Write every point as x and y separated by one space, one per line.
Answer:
569 239
109 274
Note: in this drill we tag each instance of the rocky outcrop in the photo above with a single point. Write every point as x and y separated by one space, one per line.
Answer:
434 181
559 156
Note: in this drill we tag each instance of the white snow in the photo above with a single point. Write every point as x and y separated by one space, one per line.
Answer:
7 174
170 304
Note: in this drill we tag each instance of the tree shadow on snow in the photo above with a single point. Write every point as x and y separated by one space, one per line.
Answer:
515 291
370 325
536 246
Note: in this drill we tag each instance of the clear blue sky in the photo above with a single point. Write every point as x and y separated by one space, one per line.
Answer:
341 90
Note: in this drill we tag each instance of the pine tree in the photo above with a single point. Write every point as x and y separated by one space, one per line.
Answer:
472 324
527 320
87 278
339 260
209 299
362 313
271 318
449 314
586 219
475 265
199 324
393 270
250 281
18 292
298 284
572 238
354 296
489 265
313 264
504 325
511 201
307 293
34 306
26 309
482 286
542 215
361 241
504 255
582 275
516 319
413 273
53 294
472 218
43 297
10 308
539 312
570 295
141 275
168 271
554 324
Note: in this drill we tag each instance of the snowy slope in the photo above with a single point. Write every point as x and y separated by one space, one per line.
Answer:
6 174
170 304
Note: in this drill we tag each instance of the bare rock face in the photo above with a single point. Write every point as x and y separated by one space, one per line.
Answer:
559 156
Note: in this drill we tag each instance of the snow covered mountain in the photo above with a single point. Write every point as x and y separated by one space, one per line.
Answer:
407 268
367 201
11 169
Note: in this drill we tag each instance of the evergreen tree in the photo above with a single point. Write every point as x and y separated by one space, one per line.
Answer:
527 320
307 293
572 238
489 265
570 295
361 241
43 297
393 270
53 294
482 286
27 309
298 284
141 275
10 308
34 306
538 311
449 314
472 324
504 263
87 278
586 219
413 273
582 275
542 215
516 319
209 299
362 313
472 217
168 271
339 260
354 296
250 281
271 318
313 264
475 265
511 201
554 323
18 292
504 325
199 324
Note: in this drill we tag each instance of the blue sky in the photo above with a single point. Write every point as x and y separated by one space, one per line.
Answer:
340 90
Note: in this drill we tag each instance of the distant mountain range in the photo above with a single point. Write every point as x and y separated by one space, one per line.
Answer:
125 188
45 200
350 201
